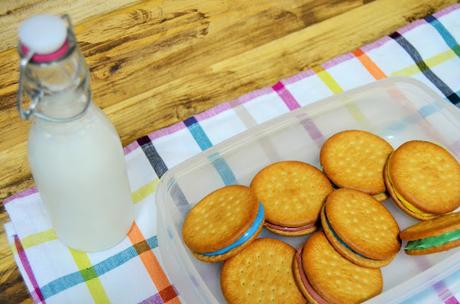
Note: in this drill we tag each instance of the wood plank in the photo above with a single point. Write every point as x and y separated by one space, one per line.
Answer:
155 46
13 12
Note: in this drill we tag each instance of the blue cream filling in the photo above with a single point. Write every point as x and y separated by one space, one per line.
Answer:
245 237
339 239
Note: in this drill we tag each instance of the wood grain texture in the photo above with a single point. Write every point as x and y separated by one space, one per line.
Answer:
13 12
154 63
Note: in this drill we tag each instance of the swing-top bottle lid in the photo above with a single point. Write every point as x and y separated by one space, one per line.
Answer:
45 36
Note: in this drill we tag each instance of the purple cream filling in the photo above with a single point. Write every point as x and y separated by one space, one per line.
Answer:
305 281
289 229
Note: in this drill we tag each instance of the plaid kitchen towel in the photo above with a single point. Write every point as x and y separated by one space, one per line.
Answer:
132 272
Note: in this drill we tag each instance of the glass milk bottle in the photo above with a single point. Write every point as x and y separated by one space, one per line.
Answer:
74 151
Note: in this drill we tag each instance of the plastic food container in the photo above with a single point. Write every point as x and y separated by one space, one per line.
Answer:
398 109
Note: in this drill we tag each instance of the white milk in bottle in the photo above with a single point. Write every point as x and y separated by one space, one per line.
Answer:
74 151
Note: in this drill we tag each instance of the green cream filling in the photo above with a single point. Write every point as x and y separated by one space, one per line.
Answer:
433 241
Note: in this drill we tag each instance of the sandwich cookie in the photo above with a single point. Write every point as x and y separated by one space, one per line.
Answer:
360 228
436 235
355 159
223 223
292 193
423 179
324 276
261 273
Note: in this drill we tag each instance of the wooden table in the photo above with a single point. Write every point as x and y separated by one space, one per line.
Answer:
154 63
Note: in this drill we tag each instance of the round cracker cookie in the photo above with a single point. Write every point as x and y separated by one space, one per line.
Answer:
439 225
426 175
436 235
261 273
399 201
355 159
333 278
348 253
292 193
219 220
358 221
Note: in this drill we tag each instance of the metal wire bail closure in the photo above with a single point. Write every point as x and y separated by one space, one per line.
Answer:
25 60
25 114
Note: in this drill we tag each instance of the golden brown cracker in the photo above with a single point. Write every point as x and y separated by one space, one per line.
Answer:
234 251
335 278
395 197
381 196
355 159
348 254
292 233
434 227
261 273
292 192
363 223
427 176
219 219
